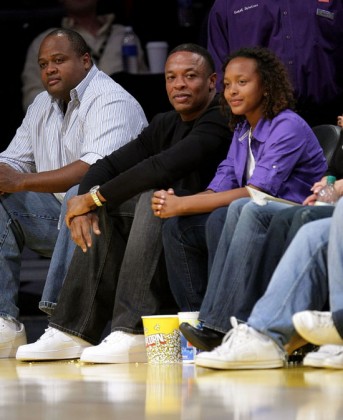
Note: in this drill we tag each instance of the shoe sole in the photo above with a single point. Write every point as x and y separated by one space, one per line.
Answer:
332 365
216 364
71 353
312 362
120 358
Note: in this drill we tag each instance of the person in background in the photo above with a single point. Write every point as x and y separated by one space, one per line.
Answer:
101 33
82 116
307 277
306 35
118 269
340 120
273 150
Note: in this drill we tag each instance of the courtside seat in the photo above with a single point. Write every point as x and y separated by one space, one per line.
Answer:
328 136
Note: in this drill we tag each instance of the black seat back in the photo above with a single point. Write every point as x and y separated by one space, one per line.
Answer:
328 136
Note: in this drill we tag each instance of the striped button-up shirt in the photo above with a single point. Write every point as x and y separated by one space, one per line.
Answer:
101 117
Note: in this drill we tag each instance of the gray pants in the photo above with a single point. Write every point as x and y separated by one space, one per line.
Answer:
121 278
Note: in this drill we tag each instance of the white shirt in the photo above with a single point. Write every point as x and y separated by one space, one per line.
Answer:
100 118
251 158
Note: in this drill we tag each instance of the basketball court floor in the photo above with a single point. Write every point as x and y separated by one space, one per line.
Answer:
71 390
66 390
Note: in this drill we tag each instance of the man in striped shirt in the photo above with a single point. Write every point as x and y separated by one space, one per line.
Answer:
82 116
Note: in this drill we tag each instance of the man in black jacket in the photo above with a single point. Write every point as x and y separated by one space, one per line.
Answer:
118 270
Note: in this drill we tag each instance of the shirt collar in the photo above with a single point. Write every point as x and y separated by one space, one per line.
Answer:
78 92
260 132
80 89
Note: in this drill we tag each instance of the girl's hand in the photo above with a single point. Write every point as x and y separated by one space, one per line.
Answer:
164 203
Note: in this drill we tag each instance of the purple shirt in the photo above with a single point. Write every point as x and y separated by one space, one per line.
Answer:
288 158
306 35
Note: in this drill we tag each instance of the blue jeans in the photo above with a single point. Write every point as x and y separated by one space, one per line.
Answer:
120 278
26 219
61 257
281 231
335 267
299 283
188 256
239 249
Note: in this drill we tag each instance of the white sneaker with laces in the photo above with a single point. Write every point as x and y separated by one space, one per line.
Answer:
12 335
118 347
318 358
53 345
243 348
317 327
335 361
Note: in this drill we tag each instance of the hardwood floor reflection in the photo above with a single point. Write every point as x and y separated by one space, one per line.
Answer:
70 389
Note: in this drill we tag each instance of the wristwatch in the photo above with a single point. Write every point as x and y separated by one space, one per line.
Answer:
93 193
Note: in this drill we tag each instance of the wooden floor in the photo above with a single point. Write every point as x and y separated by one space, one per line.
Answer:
72 390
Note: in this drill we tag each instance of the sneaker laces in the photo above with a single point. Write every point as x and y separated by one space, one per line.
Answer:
238 334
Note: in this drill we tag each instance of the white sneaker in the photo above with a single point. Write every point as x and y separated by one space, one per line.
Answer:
318 358
335 361
243 348
118 347
12 335
316 327
53 345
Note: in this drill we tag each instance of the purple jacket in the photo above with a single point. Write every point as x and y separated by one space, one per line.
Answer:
288 158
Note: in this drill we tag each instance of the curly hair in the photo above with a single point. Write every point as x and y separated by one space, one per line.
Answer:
274 78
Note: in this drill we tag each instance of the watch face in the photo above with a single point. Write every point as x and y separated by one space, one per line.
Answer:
93 193
94 189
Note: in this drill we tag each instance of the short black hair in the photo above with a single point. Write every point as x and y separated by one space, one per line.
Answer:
77 42
197 49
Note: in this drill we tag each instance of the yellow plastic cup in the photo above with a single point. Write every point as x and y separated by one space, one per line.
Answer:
162 338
